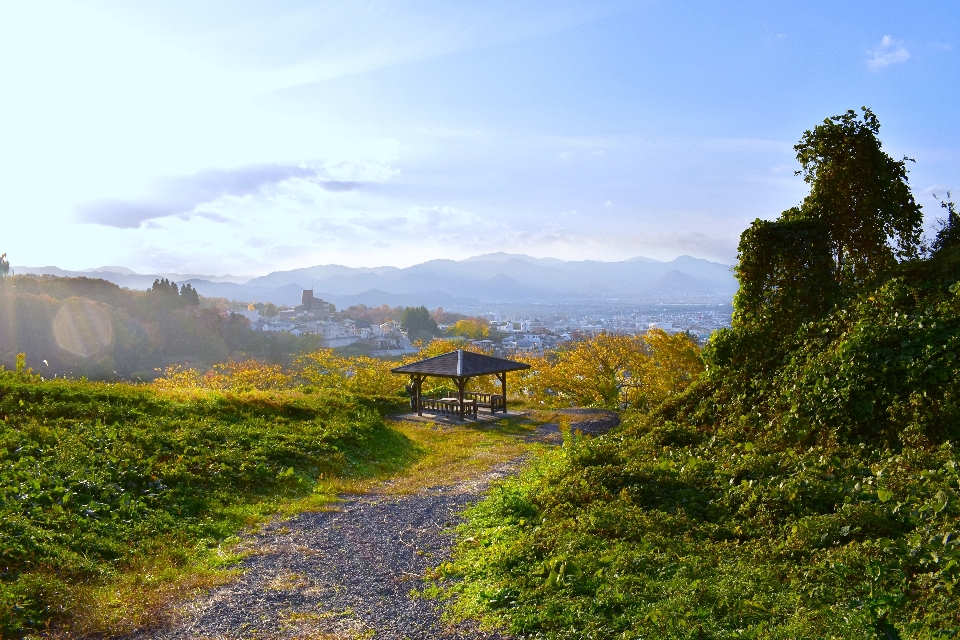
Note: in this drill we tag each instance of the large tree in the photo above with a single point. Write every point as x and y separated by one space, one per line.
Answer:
860 193
418 324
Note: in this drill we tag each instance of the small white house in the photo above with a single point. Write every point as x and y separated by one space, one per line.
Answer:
281 326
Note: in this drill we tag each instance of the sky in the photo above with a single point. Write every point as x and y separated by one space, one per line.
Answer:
247 137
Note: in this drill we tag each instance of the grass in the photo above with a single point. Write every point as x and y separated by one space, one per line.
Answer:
119 499
452 455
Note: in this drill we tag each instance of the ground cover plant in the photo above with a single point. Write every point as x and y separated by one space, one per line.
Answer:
110 490
806 485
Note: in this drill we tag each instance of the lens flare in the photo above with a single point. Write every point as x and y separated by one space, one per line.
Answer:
83 328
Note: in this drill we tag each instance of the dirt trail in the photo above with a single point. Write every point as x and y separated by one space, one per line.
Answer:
346 573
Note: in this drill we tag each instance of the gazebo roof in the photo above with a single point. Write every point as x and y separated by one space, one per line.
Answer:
461 364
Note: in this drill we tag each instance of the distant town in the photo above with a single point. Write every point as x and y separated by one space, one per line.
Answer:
505 332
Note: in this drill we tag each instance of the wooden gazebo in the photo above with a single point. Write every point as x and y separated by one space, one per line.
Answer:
460 366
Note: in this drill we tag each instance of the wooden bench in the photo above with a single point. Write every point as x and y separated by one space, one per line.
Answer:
449 406
491 401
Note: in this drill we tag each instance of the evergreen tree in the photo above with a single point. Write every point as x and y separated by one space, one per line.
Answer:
418 324
189 296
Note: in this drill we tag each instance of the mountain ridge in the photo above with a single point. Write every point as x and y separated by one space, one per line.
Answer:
489 278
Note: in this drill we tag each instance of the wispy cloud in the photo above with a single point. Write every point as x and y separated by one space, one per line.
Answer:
340 185
182 195
889 51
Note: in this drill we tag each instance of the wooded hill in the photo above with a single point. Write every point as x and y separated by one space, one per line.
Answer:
90 327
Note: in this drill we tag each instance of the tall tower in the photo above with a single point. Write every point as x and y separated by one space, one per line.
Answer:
307 299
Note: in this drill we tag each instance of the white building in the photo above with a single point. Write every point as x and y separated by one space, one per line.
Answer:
281 326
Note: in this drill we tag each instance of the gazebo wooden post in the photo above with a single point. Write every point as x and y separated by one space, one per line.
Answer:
503 388
461 383
417 385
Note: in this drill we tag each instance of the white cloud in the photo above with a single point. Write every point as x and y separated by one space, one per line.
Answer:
888 52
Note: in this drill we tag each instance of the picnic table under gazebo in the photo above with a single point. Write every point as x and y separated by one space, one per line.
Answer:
460 366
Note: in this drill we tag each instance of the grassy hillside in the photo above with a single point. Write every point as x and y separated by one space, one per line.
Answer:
111 484
820 502
807 485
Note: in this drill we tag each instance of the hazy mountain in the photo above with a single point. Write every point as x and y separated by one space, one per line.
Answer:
490 278
127 277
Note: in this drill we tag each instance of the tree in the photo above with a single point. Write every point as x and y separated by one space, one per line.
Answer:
949 233
860 193
470 328
418 324
613 371
786 272
4 266
165 290
189 296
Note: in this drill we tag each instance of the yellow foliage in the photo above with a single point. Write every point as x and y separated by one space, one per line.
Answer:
470 328
607 370
613 371
359 374
179 377
674 361
246 375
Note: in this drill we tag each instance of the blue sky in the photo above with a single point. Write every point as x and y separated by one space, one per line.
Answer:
247 137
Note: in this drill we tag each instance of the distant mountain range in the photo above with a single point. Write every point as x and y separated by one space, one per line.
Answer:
489 279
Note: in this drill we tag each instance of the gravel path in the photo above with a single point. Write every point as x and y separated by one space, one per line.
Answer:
346 573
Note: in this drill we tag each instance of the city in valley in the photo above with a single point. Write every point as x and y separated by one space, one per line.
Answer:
507 331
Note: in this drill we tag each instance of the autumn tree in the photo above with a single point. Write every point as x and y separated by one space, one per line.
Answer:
613 370
359 374
470 328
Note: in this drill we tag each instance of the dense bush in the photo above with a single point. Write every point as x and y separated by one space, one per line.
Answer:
821 502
